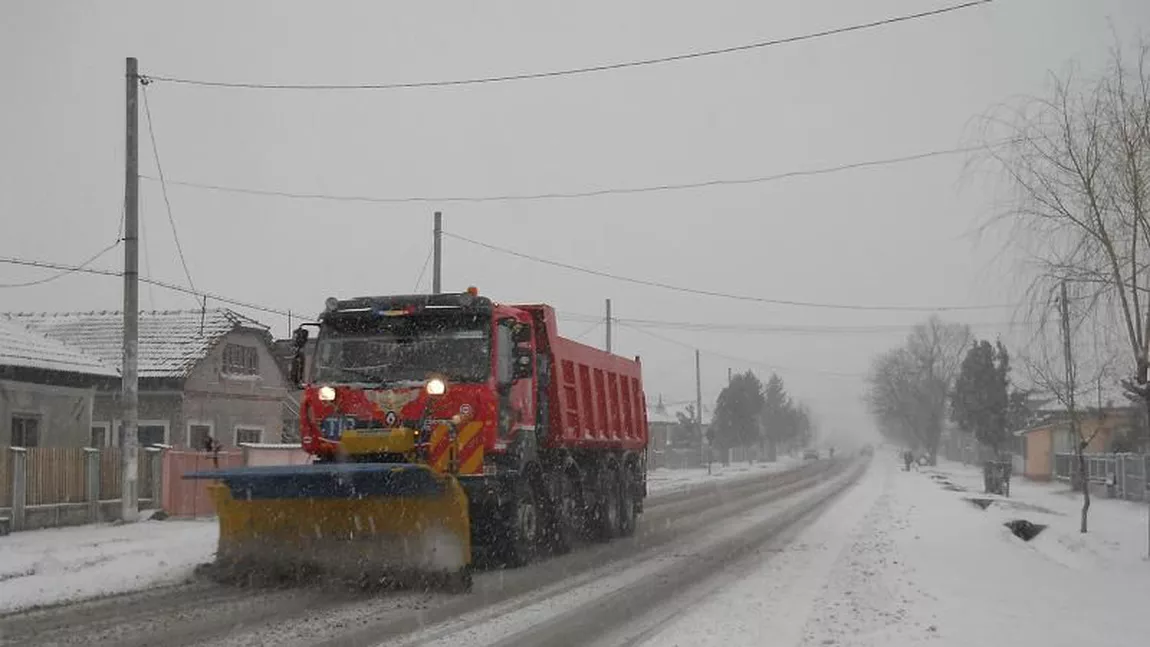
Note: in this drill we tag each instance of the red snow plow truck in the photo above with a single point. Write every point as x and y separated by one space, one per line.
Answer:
442 427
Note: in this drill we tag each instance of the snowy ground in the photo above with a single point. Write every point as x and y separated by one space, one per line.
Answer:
67 564
663 480
900 560
62 564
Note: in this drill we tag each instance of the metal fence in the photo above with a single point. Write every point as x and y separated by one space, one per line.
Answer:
1122 475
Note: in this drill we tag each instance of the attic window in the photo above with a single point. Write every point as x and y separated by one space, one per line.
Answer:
241 360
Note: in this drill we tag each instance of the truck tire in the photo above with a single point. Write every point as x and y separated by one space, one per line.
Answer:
521 527
563 518
628 515
610 507
459 581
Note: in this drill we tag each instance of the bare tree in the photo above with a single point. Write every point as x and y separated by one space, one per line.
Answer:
1078 163
910 386
1075 385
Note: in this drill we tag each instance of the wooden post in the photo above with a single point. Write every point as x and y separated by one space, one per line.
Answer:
92 483
19 486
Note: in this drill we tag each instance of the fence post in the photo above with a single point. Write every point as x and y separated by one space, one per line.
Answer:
156 466
19 486
92 483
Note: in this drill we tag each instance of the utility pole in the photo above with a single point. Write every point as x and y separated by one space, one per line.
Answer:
608 325
728 376
1068 359
437 253
699 412
130 395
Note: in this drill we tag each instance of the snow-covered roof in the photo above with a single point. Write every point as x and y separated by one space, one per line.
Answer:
656 415
22 347
171 341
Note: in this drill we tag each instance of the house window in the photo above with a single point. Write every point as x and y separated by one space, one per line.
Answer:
241 360
25 431
248 435
198 434
99 435
152 433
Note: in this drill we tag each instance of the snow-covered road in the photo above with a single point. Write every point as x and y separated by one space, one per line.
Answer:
905 559
199 613
804 558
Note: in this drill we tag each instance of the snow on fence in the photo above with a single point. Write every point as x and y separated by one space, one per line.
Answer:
1123 476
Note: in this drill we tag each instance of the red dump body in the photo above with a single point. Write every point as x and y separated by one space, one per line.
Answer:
596 398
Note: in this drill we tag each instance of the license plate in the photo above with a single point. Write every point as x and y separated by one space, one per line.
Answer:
333 427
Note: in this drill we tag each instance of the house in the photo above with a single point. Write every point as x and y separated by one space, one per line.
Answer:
660 431
47 389
202 373
1051 434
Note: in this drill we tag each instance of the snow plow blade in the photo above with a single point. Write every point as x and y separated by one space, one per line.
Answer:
377 523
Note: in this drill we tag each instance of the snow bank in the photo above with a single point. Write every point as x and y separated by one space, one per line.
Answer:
663 480
66 564
901 560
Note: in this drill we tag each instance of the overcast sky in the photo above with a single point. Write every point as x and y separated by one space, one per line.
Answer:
895 235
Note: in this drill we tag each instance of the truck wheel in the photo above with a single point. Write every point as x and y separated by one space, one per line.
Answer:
522 527
563 526
459 581
628 519
609 505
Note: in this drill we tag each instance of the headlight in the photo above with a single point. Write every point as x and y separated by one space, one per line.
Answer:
436 386
326 394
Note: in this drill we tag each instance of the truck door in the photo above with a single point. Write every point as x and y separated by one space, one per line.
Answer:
514 376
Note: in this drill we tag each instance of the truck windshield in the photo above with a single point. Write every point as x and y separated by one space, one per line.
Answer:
404 349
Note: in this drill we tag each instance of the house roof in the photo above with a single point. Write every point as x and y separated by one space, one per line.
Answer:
22 347
172 342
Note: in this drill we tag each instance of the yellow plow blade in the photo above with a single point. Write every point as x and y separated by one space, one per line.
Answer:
377 523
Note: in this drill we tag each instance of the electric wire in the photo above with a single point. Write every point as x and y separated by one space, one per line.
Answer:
749 328
65 272
146 280
589 69
716 293
743 360
590 330
590 193
164 185
423 270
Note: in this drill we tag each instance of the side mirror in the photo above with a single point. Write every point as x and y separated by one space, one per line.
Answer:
521 333
521 365
299 338
295 371
299 341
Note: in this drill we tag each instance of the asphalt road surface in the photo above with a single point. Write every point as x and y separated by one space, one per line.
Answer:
607 593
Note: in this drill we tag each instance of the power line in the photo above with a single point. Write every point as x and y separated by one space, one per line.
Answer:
164 185
715 293
605 67
143 279
423 270
65 272
590 330
769 328
590 193
742 360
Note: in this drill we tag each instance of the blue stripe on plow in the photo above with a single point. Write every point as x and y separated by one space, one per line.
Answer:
326 481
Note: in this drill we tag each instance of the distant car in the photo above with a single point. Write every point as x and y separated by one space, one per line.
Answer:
810 455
